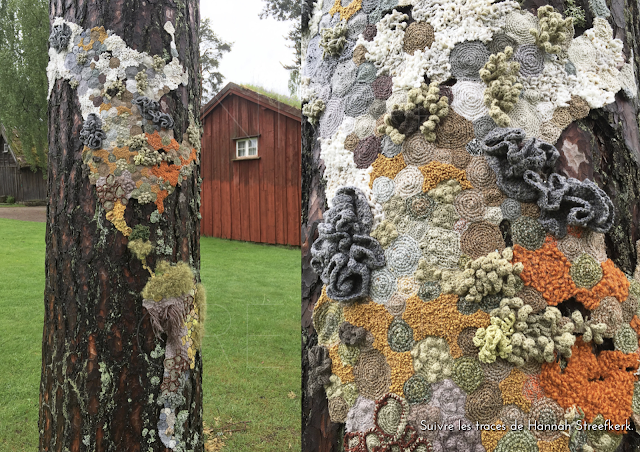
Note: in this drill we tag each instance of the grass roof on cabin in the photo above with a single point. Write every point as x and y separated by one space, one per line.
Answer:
291 101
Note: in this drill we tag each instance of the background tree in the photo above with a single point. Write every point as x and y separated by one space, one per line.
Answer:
212 49
23 97
122 255
608 141
288 10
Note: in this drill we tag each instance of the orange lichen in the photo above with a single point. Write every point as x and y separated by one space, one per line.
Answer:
99 34
323 298
531 389
155 141
86 47
388 167
560 444
547 270
441 318
401 369
105 107
511 388
338 368
490 438
436 172
600 384
123 153
346 11
635 324
160 197
122 109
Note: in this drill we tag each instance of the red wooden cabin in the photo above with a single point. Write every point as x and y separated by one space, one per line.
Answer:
250 164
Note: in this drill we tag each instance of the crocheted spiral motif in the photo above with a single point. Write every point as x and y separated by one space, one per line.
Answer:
343 78
403 256
377 109
545 411
528 233
533 298
629 308
467 373
344 254
366 73
429 290
525 116
332 118
480 239
441 247
469 100
444 216
549 132
338 409
383 189
465 342
562 117
358 100
480 174
470 205
427 413
420 206
417 151
569 202
454 132
482 126
409 182
390 415
431 359
389 148
608 312
92 134
511 156
497 370
510 209
499 42
594 245
531 59
586 271
517 440
400 336
359 55
366 152
351 141
382 87
326 321
518 24
417 36
484 404
578 107
360 416
372 374
397 304
466 59
383 285
459 158
626 339
449 398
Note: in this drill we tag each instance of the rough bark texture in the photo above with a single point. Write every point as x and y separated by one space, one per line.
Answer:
96 392
608 141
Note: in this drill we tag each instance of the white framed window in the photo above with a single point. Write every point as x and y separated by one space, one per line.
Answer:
247 147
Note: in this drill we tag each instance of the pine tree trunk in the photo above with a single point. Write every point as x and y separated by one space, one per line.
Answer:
608 140
100 379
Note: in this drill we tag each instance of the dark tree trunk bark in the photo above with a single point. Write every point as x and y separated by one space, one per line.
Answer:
608 139
99 381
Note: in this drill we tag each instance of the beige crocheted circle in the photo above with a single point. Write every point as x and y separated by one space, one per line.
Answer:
417 36
562 117
460 158
359 54
338 409
408 182
578 107
530 210
480 173
351 142
493 197
517 26
470 205
372 374
480 239
454 132
417 151
550 132
533 298
484 404
571 247
465 341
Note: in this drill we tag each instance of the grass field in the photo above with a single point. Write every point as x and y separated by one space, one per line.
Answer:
251 351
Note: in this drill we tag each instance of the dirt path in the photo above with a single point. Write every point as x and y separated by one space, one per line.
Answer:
38 214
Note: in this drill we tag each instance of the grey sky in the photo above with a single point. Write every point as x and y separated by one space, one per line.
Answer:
259 44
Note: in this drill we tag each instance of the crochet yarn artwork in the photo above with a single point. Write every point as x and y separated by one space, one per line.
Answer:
132 155
475 275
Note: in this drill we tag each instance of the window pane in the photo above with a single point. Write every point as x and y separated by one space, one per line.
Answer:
241 147
253 146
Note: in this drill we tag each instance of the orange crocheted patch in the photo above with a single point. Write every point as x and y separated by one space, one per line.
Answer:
490 438
436 172
547 270
338 368
441 318
122 153
155 141
105 107
388 167
635 324
560 444
160 197
598 385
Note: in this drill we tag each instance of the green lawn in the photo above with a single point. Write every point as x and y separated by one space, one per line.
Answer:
251 351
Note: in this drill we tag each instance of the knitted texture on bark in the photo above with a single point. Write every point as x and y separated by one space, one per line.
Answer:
344 254
547 271
601 384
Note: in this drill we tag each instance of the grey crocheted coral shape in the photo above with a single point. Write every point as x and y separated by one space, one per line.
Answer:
319 368
91 133
150 110
569 202
511 156
344 254
59 37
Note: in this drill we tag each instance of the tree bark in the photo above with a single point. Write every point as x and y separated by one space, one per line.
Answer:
609 142
99 381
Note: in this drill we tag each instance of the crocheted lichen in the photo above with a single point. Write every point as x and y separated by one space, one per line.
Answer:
385 233
503 90
586 271
313 110
60 36
424 110
91 133
488 275
150 110
446 191
417 390
432 360
344 254
319 369
467 373
387 167
333 39
528 233
554 30
590 379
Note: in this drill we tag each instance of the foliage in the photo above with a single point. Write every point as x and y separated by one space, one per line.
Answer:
11 200
291 101
251 352
288 10
212 49
24 33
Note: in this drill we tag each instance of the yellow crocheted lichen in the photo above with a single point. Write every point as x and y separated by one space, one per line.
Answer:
388 167
560 444
116 216
554 30
502 91
436 172
511 388
490 438
338 368
345 11
441 318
